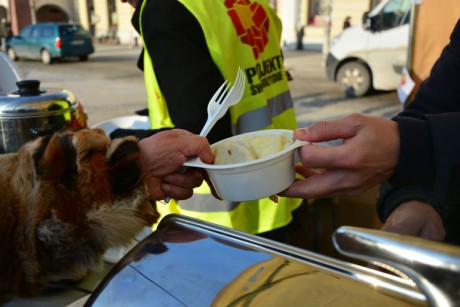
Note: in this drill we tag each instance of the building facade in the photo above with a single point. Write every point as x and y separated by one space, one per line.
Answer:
317 20
106 20
110 20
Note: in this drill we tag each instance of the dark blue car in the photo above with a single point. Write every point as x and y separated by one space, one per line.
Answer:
50 41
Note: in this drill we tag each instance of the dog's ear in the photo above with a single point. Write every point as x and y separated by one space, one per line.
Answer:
55 160
124 171
79 193
88 170
68 164
68 155
124 165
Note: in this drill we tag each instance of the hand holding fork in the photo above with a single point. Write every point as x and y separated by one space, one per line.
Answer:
219 104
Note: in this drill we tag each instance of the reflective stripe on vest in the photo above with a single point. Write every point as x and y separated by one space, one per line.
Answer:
262 118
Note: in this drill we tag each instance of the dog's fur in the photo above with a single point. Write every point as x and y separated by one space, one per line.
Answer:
64 201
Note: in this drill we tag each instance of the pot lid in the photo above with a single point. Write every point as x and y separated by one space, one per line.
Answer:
29 100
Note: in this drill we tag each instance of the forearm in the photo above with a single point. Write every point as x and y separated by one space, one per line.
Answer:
428 152
441 192
416 150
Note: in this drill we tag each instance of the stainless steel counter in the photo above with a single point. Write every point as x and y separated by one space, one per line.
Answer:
192 263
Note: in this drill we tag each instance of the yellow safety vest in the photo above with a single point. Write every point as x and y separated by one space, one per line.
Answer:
252 33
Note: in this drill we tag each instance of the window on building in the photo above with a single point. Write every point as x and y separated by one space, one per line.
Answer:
374 3
112 12
113 22
317 12
91 16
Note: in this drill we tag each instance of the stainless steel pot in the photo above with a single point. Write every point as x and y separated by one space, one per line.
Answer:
31 111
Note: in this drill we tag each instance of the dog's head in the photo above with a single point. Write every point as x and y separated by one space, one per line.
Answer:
83 193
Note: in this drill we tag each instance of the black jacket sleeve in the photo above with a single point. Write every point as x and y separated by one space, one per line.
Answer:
429 162
185 71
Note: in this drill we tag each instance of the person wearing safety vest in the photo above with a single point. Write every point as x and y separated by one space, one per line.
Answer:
190 48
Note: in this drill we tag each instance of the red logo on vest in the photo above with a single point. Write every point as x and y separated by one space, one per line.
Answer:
251 23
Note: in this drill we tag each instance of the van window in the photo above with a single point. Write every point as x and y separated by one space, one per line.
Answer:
395 14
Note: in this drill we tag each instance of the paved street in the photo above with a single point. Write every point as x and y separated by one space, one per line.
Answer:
110 85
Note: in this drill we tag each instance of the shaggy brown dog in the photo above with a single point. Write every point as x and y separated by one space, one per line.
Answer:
64 201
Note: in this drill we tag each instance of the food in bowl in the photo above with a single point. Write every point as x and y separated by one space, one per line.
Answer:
248 148
257 178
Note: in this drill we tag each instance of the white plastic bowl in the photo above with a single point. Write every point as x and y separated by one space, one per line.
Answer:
255 179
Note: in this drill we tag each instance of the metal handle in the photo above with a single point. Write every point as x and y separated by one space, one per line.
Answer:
433 266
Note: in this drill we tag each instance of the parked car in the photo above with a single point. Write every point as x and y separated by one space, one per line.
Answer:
50 41
371 55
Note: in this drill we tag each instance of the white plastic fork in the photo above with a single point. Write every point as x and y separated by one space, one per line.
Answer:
219 104
214 104
223 100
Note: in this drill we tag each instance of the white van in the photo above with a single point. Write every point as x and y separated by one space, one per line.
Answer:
371 55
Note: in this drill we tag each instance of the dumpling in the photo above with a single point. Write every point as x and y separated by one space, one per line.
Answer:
249 148
230 152
264 145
